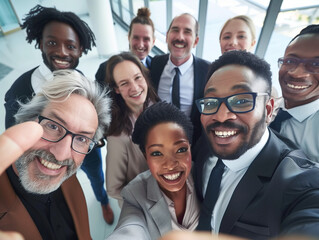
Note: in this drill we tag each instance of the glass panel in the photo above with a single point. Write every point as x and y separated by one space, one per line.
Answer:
126 12
185 6
8 19
116 8
158 15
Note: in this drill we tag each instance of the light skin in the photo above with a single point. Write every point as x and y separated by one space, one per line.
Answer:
168 155
236 36
131 84
181 39
141 40
60 46
80 120
298 86
232 134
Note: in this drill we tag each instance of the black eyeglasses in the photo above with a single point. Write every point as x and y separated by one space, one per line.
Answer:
311 65
55 132
236 103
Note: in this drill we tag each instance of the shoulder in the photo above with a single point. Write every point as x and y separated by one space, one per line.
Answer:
201 62
160 58
138 186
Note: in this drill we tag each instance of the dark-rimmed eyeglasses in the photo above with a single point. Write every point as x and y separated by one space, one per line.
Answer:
55 132
310 65
236 103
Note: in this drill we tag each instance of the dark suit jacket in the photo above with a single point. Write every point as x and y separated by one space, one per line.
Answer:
279 193
20 90
101 72
15 217
200 71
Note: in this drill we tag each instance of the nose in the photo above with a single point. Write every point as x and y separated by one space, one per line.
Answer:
233 41
180 36
62 150
170 163
62 51
141 43
223 114
134 86
299 71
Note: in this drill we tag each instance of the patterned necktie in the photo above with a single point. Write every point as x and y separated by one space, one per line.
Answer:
175 89
281 116
211 196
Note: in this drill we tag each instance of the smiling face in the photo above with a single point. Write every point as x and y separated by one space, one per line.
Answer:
168 156
60 46
236 35
131 84
141 40
181 38
232 134
298 86
44 168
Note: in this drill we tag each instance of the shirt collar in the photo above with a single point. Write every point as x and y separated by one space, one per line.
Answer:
46 72
304 111
144 61
248 157
182 68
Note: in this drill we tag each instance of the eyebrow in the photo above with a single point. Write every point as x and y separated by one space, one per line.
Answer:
236 87
175 143
64 124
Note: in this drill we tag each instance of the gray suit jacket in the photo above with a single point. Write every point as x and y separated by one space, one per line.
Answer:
145 213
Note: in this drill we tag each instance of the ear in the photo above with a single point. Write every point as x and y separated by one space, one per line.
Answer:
196 41
117 90
253 43
269 110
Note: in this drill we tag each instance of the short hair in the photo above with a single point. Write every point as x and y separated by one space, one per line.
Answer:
65 83
259 66
310 29
161 112
143 17
245 19
187 14
120 111
38 17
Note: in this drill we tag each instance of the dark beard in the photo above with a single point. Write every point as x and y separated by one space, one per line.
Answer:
46 62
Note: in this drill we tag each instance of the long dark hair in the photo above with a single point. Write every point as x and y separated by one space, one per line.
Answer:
120 111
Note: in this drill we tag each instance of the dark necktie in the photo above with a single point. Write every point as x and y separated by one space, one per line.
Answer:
175 89
212 192
281 116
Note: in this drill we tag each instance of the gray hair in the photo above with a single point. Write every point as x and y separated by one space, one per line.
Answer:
63 84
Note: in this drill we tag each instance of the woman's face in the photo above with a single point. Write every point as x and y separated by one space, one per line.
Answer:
131 84
236 36
168 156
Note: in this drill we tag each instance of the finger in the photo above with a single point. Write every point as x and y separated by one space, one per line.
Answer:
16 140
10 236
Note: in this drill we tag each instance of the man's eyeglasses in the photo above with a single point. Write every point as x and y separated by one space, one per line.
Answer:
236 103
55 132
310 65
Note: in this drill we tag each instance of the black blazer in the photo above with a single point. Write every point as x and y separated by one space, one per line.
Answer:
101 72
200 77
21 90
279 193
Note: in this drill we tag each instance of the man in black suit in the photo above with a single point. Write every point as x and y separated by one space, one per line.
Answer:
265 188
181 38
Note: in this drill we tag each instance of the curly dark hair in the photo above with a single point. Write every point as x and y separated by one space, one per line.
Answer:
39 17
259 66
160 112
310 29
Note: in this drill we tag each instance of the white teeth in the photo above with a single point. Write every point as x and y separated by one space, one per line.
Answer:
225 134
296 87
61 62
140 50
137 94
179 45
172 176
50 165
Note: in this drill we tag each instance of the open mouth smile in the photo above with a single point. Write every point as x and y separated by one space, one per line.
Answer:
225 134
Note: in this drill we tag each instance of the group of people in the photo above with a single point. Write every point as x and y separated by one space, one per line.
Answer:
191 145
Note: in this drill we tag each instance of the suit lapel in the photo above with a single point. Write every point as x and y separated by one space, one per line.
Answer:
159 211
262 167
157 67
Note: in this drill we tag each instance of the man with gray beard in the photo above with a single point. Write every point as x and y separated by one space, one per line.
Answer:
43 198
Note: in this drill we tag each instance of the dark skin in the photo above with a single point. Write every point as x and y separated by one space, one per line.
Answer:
60 46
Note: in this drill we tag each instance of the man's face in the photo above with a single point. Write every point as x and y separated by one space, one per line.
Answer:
60 46
43 168
181 38
141 40
298 86
232 134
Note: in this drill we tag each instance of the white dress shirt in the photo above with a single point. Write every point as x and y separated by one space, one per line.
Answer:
40 75
186 84
233 173
303 128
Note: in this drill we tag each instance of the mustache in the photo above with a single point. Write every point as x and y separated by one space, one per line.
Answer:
47 156
226 124
178 42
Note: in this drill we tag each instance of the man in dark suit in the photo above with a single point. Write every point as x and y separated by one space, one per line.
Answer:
298 119
181 38
251 184
62 37
41 197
